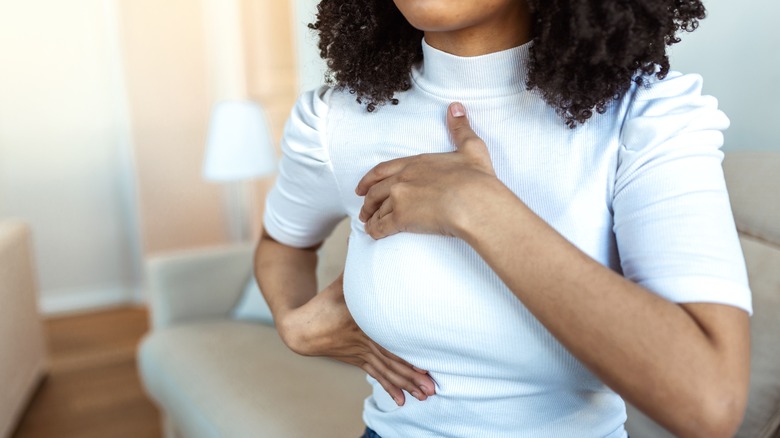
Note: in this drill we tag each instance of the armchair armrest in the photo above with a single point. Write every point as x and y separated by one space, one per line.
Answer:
207 283
23 359
191 285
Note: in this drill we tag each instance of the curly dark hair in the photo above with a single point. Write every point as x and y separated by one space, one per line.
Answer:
585 53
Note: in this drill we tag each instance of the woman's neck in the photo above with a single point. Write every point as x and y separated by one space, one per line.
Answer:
503 31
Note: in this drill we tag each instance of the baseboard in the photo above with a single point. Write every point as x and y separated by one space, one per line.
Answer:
53 302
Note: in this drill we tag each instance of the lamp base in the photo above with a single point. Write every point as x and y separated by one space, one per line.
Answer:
236 200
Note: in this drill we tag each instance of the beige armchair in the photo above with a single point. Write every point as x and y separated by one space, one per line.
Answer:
22 347
213 376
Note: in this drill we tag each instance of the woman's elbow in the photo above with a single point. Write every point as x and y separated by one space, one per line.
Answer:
721 413
726 415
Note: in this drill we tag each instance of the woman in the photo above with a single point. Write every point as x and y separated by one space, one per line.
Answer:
575 249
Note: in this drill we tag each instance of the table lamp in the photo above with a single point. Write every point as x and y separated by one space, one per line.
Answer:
238 148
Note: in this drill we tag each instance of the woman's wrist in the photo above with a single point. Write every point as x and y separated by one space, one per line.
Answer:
482 206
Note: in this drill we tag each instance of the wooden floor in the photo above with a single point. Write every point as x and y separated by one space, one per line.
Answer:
92 389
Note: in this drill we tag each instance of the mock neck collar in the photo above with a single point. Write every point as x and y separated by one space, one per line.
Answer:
474 77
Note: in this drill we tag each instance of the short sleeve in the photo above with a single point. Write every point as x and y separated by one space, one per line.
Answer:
304 204
672 218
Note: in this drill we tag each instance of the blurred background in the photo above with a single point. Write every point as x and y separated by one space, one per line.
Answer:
105 108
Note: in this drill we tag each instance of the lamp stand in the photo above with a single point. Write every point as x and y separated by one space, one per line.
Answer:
236 198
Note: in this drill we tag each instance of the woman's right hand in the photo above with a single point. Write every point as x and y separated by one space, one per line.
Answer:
324 327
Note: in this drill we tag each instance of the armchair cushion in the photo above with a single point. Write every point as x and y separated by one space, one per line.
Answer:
225 378
753 179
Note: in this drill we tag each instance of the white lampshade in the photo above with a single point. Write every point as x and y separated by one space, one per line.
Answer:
239 144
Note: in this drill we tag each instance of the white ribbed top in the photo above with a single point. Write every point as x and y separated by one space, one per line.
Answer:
640 189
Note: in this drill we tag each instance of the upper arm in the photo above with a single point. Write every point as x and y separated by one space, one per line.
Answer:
305 203
672 217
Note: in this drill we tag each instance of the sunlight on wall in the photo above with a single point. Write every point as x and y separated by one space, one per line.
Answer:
60 147
103 114
169 93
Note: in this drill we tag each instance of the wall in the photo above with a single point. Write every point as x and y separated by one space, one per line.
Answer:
311 67
63 149
163 45
736 51
180 57
104 107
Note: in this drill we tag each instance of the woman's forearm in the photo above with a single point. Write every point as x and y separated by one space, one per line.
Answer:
286 275
315 324
666 358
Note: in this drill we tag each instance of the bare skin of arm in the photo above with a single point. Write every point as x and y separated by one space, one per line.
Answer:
684 365
313 324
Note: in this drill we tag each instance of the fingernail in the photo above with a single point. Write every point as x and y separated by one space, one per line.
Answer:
426 390
457 110
398 401
416 395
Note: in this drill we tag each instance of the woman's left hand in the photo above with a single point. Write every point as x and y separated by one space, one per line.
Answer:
431 193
